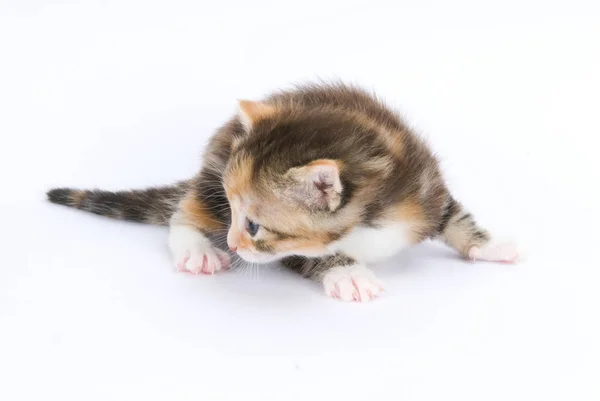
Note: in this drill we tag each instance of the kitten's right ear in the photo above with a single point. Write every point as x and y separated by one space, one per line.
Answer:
251 112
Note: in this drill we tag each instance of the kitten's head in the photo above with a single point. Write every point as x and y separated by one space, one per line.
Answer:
285 199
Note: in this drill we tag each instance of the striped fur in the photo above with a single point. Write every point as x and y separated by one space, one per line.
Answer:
153 205
459 230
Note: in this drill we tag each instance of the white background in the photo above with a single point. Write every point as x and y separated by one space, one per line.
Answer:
120 94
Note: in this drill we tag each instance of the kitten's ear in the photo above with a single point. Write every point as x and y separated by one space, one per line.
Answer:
317 184
251 112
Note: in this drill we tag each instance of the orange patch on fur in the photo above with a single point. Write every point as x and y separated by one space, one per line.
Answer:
245 241
199 215
325 162
315 245
391 138
239 177
252 112
411 212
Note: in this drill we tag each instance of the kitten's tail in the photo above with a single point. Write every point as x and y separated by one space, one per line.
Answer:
152 205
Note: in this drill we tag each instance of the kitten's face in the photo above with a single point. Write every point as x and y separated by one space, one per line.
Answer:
277 215
279 209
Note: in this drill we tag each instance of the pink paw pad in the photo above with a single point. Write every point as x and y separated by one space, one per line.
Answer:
352 283
181 265
207 262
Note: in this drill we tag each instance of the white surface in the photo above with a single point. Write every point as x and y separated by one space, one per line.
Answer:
121 94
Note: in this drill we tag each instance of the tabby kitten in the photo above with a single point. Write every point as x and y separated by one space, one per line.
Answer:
323 177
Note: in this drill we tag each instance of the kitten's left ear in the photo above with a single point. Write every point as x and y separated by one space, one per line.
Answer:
317 184
252 112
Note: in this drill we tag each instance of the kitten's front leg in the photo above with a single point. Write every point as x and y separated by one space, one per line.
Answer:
342 277
192 250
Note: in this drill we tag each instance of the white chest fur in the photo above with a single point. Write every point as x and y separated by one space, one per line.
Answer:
368 245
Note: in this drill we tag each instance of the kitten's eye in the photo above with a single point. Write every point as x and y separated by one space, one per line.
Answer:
252 227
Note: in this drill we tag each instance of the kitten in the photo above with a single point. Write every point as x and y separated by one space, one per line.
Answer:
323 177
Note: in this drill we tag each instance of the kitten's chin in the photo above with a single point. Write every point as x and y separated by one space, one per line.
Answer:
268 258
257 257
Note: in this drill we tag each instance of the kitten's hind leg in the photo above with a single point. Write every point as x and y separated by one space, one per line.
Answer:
342 277
459 230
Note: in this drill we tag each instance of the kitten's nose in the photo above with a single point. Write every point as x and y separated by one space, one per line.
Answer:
232 240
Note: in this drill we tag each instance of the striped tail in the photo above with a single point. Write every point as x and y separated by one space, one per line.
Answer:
152 205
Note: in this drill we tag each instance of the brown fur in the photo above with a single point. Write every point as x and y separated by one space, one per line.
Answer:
195 212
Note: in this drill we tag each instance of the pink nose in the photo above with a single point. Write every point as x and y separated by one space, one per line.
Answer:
233 248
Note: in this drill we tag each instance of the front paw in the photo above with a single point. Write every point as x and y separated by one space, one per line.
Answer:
352 283
202 260
194 253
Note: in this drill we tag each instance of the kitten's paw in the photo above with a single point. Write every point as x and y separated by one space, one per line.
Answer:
496 252
194 253
206 260
352 283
